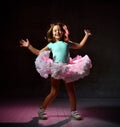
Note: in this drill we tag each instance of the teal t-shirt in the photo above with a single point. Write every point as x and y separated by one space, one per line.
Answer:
60 51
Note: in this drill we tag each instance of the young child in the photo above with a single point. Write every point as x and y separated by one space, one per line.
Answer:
61 66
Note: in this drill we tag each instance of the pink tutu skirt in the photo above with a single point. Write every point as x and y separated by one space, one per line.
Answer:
77 68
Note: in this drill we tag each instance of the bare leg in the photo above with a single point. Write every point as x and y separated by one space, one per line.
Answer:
71 93
55 84
72 97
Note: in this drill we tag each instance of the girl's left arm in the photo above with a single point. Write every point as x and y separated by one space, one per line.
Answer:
82 42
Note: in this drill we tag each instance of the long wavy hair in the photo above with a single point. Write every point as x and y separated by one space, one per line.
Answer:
65 37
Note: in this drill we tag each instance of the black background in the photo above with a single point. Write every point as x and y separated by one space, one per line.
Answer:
25 19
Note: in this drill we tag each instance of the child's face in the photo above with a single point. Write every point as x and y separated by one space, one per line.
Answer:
57 33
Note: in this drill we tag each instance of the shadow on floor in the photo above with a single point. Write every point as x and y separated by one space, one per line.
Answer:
34 123
95 116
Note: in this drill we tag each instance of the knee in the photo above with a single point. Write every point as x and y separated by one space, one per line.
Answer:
54 93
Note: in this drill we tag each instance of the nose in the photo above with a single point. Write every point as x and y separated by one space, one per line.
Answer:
57 31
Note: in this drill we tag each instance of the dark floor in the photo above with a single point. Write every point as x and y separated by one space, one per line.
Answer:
95 112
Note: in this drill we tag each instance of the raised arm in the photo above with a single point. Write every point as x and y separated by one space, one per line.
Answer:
82 42
26 44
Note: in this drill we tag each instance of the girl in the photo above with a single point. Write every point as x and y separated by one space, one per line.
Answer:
61 66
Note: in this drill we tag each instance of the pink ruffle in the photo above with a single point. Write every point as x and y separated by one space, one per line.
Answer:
77 68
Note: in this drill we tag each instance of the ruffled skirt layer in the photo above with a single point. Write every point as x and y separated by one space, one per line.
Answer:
77 68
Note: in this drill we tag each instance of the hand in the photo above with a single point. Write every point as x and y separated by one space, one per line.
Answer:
87 32
24 43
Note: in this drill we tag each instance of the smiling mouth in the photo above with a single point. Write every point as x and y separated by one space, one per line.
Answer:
57 35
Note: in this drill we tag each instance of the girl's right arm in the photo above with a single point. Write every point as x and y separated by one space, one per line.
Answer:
26 43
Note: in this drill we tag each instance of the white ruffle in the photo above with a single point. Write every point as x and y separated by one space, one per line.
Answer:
77 68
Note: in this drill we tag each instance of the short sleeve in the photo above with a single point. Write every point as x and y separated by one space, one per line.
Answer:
50 45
